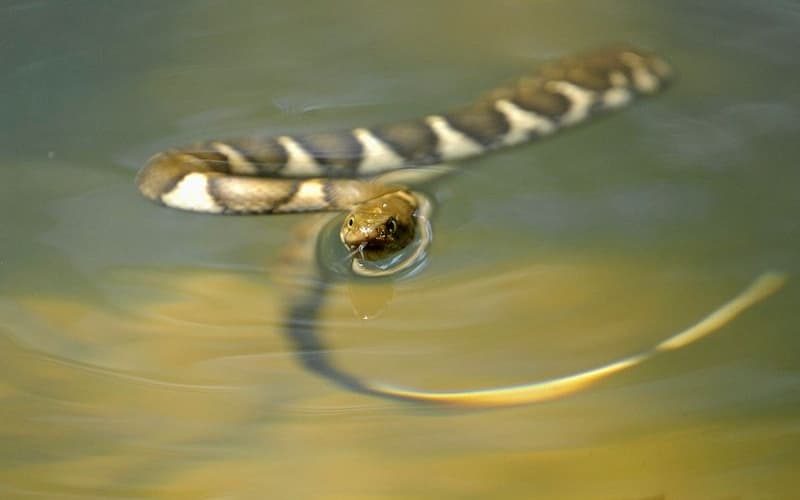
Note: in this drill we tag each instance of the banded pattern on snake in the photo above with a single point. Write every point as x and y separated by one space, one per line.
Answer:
229 176
320 172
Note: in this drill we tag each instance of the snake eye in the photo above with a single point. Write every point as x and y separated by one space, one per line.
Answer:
351 221
391 226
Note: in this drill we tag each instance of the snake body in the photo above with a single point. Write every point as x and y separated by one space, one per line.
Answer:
317 172
326 171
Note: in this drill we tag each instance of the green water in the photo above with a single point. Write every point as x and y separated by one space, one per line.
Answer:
141 349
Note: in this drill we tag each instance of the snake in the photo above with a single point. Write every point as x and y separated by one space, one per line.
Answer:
347 171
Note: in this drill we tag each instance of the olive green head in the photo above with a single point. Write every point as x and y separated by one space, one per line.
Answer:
381 226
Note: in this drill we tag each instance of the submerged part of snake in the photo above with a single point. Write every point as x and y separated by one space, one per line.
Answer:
313 353
339 171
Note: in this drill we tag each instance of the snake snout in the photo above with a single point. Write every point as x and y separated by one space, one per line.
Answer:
358 236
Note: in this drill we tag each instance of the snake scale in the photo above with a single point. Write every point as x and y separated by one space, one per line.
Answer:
336 171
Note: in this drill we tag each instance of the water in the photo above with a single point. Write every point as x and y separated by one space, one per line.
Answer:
142 354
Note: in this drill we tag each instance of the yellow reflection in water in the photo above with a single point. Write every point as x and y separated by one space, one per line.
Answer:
180 385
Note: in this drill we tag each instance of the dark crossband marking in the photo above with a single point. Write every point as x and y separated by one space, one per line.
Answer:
481 122
339 152
265 153
414 141
532 95
581 76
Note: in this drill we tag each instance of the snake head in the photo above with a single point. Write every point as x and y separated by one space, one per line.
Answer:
380 227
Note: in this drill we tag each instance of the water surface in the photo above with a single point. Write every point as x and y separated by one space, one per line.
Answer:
141 348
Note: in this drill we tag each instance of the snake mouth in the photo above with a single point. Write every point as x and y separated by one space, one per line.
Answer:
371 250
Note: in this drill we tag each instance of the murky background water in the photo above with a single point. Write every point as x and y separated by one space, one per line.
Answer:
141 353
